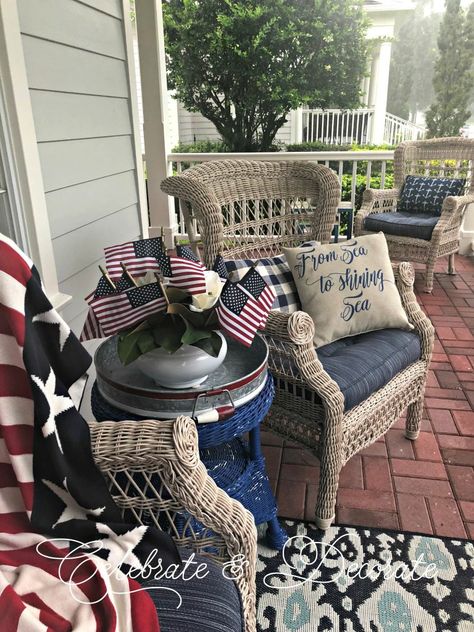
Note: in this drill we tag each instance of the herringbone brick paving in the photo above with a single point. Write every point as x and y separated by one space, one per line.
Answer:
424 486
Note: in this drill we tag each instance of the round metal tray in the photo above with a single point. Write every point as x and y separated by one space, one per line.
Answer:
238 380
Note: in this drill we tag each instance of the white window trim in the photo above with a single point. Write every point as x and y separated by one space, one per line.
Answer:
26 192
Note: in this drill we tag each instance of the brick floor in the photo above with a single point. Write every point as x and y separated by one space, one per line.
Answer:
424 486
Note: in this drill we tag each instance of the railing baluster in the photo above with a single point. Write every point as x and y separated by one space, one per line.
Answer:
383 170
354 185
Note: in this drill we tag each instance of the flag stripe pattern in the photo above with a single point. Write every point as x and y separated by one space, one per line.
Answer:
239 314
255 287
184 274
36 503
119 311
138 256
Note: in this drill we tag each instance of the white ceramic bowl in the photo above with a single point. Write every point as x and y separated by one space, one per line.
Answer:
187 367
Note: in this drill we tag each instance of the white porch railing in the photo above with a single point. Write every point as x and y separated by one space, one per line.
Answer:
343 127
353 168
337 127
397 130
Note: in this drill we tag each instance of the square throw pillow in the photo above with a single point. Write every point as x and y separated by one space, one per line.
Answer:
275 272
347 288
422 194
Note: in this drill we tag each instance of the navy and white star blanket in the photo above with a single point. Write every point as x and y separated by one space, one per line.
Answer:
49 484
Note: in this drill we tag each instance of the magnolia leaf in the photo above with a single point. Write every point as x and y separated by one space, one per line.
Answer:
193 334
197 319
170 332
146 342
127 347
211 345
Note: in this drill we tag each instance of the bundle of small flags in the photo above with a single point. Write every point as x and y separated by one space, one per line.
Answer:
120 302
244 306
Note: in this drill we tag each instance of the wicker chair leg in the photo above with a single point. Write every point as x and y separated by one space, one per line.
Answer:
451 268
329 477
414 414
429 276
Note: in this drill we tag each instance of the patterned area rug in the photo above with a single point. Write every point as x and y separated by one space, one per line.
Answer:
354 579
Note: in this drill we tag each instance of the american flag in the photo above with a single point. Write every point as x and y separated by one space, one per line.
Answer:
221 268
139 257
63 496
185 252
115 312
184 274
91 328
255 286
239 314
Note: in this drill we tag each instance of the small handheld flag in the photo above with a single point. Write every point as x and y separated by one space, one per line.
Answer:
138 256
184 274
239 314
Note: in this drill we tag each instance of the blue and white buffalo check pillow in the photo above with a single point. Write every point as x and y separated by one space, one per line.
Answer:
422 194
275 272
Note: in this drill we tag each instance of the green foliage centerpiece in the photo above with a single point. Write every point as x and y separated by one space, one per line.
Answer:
186 320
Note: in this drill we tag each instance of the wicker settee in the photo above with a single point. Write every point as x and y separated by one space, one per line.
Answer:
251 209
424 241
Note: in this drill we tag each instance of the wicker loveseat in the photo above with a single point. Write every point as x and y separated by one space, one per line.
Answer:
416 237
251 209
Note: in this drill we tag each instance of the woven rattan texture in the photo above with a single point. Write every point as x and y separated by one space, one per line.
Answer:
244 419
308 406
169 449
446 157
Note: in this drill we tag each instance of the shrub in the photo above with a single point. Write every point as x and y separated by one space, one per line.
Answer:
375 182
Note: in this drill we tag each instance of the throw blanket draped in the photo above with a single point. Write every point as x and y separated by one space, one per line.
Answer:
50 488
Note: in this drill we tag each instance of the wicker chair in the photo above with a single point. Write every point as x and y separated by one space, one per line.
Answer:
222 198
156 478
447 157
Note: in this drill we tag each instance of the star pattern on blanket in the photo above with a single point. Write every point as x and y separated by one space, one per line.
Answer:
121 548
73 510
57 404
51 317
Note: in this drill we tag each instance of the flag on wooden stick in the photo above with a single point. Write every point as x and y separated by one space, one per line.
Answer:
239 314
254 285
138 256
184 274
221 268
116 312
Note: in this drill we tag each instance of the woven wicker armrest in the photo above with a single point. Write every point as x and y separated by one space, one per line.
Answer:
170 448
296 333
375 201
405 278
451 214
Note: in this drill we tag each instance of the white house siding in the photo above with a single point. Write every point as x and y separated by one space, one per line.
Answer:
76 61
193 126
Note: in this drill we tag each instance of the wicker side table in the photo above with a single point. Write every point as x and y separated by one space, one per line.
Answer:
235 464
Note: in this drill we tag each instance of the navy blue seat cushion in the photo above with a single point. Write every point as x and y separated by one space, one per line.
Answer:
210 604
418 225
425 194
363 364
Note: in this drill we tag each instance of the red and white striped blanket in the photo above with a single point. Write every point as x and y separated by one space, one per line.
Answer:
49 485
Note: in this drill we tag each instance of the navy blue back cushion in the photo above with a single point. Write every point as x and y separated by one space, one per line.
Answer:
423 194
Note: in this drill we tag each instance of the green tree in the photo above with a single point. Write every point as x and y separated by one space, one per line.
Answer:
454 72
244 64
412 64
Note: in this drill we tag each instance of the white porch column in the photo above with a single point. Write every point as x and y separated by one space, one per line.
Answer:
297 125
154 94
466 246
379 91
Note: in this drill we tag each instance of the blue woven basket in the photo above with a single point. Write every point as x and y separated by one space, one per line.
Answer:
244 419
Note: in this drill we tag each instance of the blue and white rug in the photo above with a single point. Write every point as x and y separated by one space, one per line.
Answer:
355 579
